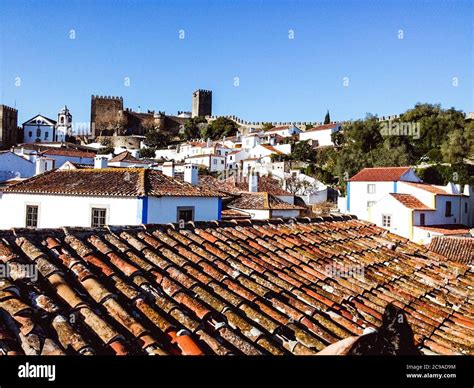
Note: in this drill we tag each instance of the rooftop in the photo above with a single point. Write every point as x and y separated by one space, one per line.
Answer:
261 201
126 156
380 174
430 188
69 152
410 201
446 229
460 249
323 127
247 287
115 182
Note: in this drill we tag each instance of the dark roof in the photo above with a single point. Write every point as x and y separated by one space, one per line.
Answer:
260 201
69 152
232 214
260 287
126 156
121 182
460 249
379 174
410 201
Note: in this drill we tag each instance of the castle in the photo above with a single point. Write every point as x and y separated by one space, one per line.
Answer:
110 118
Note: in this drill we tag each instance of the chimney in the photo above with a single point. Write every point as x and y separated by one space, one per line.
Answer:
43 164
135 153
253 183
467 190
191 174
101 162
168 169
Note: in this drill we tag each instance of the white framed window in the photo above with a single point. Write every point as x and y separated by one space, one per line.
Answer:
370 204
387 220
98 217
371 188
31 220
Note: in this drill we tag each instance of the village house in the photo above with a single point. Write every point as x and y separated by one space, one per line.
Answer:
107 196
396 199
320 136
13 166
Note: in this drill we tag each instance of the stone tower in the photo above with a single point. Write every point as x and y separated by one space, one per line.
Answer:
105 114
64 125
202 103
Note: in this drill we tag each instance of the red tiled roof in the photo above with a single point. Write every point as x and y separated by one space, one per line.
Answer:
68 152
232 214
379 174
460 249
126 156
272 149
122 182
240 287
322 127
410 201
446 229
430 188
261 201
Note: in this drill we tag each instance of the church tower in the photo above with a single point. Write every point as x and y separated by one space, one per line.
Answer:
64 125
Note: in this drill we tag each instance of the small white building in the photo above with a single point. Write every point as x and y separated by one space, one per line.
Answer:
13 166
284 131
126 159
396 199
108 196
214 163
39 129
234 158
321 134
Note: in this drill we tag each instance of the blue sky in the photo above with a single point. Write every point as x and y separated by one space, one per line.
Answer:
280 79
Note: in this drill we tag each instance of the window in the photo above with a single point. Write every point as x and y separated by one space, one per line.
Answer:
30 134
185 213
222 162
38 132
62 120
31 216
465 208
422 219
214 161
98 217
370 204
386 220
448 209
371 188
46 134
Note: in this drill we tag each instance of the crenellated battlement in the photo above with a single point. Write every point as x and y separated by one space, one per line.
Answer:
8 108
114 98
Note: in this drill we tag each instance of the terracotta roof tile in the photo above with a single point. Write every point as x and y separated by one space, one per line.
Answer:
239 287
123 182
379 174
460 249
410 201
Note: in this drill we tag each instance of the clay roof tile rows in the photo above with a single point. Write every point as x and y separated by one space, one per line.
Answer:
240 287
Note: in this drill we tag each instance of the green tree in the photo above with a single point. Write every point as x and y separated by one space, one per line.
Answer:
156 138
147 153
327 118
267 126
455 148
192 128
220 127
303 152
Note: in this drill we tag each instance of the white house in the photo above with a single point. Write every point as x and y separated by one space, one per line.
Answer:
284 131
214 163
265 150
13 166
234 158
169 153
38 129
396 199
321 134
109 196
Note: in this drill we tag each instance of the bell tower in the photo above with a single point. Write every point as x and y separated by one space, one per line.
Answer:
64 125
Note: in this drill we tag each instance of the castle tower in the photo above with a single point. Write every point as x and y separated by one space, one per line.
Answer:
105 113
202 103
64 125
